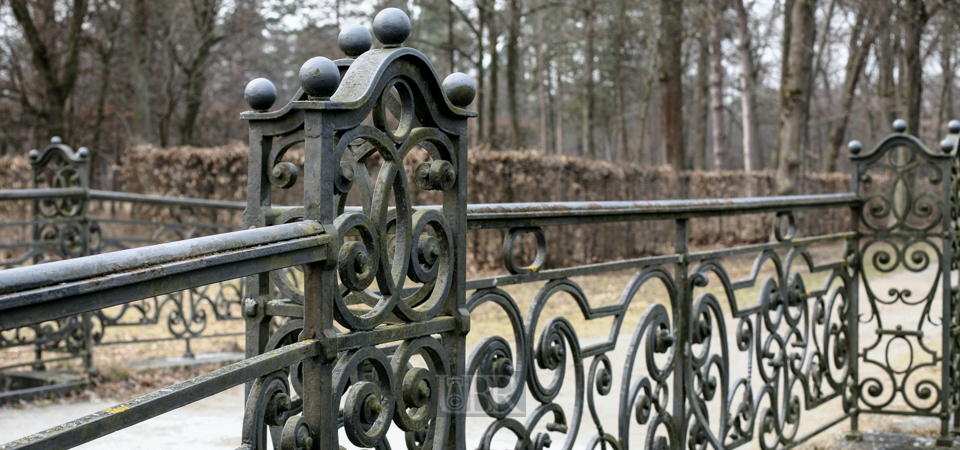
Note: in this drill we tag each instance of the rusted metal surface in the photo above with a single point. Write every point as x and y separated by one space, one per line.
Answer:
371 326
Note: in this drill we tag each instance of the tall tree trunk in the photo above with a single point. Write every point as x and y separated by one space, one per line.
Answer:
494 33
57 79
702 117
542 75
784 69
644 113
559 109
947 68
671 81
806 141
752 158
799 71
140 48
859 49
620 37
886 62
588 102
513 71
451 42
716 88
481 92
911 91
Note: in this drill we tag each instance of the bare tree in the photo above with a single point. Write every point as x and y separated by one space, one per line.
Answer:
796 82
589 22
57 74
862 37
716 87
671 81
513 71
752 158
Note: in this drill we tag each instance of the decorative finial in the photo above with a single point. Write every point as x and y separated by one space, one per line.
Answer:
855 147
899 125
83 152
56 140
392 27
319 77
354 40
946 145
33 154
260 94
460 89
954 126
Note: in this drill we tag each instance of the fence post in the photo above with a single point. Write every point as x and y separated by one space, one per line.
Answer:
853 258
951 296
355 302
63 222
683 317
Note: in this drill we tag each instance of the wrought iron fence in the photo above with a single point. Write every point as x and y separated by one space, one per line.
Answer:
60 217
375 330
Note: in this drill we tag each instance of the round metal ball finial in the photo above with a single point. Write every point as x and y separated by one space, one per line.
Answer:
392 27
899 125
954 126
260 94
56 140
460 89
319 77
354 40
946 145
855 147
83 152
33 154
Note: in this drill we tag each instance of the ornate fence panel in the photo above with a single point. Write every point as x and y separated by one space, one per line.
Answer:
380 248
358 307
67 219
907 232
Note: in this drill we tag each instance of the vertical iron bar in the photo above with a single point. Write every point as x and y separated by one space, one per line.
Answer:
946 393
853 258
256 287
454 342
321 286
681 321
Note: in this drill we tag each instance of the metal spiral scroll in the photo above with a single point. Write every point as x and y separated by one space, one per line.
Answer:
420 247
796 338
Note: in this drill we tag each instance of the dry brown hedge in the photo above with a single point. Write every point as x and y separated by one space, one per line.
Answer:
501 177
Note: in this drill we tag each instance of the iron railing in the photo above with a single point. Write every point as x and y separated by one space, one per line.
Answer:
375 331
67 219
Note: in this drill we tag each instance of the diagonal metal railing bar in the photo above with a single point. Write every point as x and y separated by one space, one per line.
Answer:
63 288
126 414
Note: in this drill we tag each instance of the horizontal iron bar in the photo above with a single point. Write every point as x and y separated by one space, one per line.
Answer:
96 425
169 339
44 292
41 361
163 200
504 215
42 193
589 269
723 253
394 333
95 194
